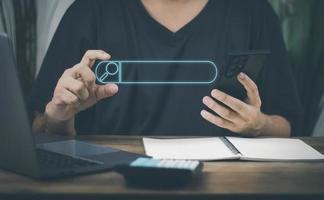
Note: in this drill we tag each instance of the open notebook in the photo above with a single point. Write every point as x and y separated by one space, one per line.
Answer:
231 148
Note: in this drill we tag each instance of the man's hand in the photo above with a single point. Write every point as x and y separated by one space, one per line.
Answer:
237 116
76 90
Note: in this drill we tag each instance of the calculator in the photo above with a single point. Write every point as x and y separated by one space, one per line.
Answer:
160 172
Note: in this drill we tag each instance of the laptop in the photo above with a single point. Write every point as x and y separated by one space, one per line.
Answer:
19 151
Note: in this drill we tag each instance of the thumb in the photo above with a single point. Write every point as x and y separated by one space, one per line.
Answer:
253 96
104 91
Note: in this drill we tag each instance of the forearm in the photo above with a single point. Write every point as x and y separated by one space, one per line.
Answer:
275 126
44 124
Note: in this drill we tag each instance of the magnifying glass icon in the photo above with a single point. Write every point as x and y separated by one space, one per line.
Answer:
111 69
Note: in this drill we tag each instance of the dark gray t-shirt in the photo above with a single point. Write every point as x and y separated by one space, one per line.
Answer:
124 29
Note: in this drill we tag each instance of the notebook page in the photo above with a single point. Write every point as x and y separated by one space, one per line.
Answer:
272 149
189 149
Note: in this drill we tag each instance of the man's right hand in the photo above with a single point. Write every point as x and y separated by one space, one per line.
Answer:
77 90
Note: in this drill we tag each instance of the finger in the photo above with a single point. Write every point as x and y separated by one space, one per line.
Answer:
77 87
67 98
229 101
104 91
216 120
223 112
251 89
87 76
92 55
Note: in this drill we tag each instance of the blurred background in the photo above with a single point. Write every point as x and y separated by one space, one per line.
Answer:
32 23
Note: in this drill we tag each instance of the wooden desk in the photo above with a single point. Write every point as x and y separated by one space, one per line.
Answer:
221 180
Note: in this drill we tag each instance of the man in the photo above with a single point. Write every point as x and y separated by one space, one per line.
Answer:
67 99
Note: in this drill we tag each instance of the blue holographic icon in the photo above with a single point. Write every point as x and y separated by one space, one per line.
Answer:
113 71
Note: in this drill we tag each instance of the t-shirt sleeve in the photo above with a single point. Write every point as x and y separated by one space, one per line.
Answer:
278 90
72 38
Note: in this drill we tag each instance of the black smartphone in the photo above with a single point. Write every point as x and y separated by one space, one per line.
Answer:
250 62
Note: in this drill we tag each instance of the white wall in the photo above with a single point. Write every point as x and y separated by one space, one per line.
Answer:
50 13
9 17
319 127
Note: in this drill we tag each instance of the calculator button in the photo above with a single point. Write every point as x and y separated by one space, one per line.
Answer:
162 163
178 164
139 161
168 163
151 163
186 164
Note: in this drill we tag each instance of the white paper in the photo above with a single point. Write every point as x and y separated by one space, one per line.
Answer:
272 149
188 149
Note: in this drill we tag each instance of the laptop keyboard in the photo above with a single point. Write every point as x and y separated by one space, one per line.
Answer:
50 159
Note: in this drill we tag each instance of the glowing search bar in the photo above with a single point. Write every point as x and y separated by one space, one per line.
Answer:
156 72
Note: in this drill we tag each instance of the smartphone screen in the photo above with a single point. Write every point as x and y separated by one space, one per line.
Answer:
250 62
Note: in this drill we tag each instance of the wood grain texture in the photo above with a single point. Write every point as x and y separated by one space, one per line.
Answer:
223 180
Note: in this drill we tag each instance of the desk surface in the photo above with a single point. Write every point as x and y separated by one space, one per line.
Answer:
230 180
